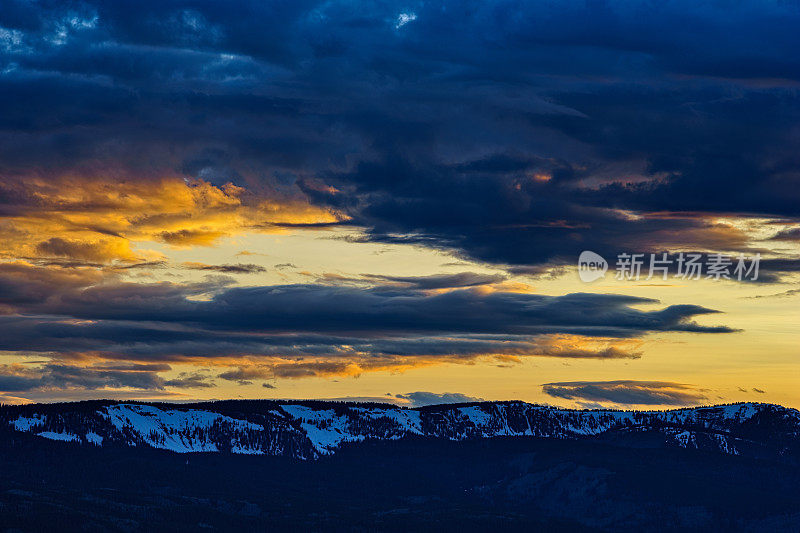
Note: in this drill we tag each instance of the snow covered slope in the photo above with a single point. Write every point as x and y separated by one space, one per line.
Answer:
308 430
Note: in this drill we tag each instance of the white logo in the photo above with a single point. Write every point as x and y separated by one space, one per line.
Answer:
591 266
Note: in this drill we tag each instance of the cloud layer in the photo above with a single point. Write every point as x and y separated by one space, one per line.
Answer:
512 132
87 319
68 312
626 392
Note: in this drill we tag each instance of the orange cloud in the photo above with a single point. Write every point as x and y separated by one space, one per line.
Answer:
563 346
186 238
103 221
100 250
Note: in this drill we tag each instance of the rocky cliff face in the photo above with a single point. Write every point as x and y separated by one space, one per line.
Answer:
309 430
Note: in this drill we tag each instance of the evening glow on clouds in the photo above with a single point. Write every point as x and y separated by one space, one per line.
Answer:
304 202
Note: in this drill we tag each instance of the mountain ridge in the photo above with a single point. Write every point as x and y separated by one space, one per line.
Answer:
311 429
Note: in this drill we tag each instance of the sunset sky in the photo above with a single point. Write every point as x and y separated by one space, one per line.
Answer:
387 200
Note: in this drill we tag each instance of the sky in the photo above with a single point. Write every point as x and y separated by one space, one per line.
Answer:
387 201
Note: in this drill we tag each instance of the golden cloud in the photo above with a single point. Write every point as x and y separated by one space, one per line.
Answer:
103 221
562 346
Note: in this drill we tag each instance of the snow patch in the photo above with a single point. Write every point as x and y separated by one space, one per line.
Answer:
178 431
26 423
59 436
323 427
94 438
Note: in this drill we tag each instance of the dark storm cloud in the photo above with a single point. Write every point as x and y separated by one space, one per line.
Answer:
626 392
55 376
513 132
77 313
17 378
507 131
347 310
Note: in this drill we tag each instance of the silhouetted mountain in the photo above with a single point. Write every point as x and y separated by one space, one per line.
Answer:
110 466
309 430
